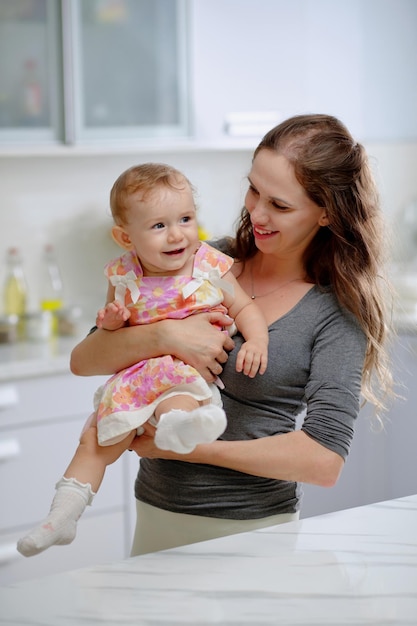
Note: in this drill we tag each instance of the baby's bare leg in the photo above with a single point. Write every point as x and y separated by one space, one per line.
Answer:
183 403
90 460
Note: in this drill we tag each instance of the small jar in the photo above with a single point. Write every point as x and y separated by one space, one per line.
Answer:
68 321
9 325
37 326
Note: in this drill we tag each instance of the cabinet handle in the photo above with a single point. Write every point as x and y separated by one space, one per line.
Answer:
9 449
68 63
8 552
8 396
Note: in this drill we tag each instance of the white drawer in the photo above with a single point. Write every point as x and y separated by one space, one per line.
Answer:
36 458
39 399
100 539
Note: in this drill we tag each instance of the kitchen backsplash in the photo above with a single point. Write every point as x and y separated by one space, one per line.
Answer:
63 200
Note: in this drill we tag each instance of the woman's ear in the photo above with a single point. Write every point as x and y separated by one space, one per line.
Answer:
121 237
324 220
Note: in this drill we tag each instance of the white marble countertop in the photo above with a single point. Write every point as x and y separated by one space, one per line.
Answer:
38 358
357 566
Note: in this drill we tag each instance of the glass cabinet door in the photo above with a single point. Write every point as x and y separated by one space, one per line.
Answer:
30 86
129 68
79 70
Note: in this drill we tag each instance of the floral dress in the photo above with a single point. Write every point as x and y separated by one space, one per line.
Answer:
129 398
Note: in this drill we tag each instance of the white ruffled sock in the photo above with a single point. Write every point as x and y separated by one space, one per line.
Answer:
181 431
60 527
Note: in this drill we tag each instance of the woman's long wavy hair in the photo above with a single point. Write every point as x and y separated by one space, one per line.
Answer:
347 255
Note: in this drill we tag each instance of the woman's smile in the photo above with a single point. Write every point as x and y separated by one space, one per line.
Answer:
262 233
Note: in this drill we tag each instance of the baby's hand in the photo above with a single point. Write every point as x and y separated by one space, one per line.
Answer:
252 358
113 316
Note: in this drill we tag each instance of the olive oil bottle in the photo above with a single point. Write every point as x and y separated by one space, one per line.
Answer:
15 289
51 286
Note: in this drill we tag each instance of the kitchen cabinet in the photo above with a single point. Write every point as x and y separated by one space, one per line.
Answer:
41 417
353 59
175 72
382 461
103 69
30 90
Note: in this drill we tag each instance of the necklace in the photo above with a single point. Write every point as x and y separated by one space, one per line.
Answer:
263 295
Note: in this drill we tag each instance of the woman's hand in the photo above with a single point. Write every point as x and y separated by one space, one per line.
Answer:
144 446
198 341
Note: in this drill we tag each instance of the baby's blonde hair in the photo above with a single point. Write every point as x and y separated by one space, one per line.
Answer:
145 178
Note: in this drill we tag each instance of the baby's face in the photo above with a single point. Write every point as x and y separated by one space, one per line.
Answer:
162 228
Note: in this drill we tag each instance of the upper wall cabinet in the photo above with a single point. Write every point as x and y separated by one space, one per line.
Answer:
30 71
75 71
83 71
356 59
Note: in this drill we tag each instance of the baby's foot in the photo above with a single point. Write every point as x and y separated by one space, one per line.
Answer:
60 527
181 431
52 532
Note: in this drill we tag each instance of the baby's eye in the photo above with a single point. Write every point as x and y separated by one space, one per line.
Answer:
158 226
185 219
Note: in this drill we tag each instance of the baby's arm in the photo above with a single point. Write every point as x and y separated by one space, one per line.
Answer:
253 355
114 315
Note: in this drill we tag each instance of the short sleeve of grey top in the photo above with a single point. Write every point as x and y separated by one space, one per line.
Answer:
316 355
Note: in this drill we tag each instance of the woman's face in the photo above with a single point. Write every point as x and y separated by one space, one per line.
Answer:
283 217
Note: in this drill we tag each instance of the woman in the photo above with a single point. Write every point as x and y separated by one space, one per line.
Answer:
309 250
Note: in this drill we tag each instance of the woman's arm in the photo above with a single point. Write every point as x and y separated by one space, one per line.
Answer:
194 340
291 456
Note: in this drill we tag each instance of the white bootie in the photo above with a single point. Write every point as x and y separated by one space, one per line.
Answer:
60 527
181 431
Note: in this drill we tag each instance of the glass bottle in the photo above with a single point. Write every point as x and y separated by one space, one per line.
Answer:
51 285
32 103
15 290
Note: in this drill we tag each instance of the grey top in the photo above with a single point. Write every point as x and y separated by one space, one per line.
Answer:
316 354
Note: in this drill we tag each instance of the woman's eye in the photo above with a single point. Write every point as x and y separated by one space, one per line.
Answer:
252 190
280 207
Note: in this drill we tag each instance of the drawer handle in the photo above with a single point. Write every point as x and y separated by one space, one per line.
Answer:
8 396
8 552
9 449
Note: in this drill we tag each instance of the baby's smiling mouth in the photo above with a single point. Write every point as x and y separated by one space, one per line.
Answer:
174 252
